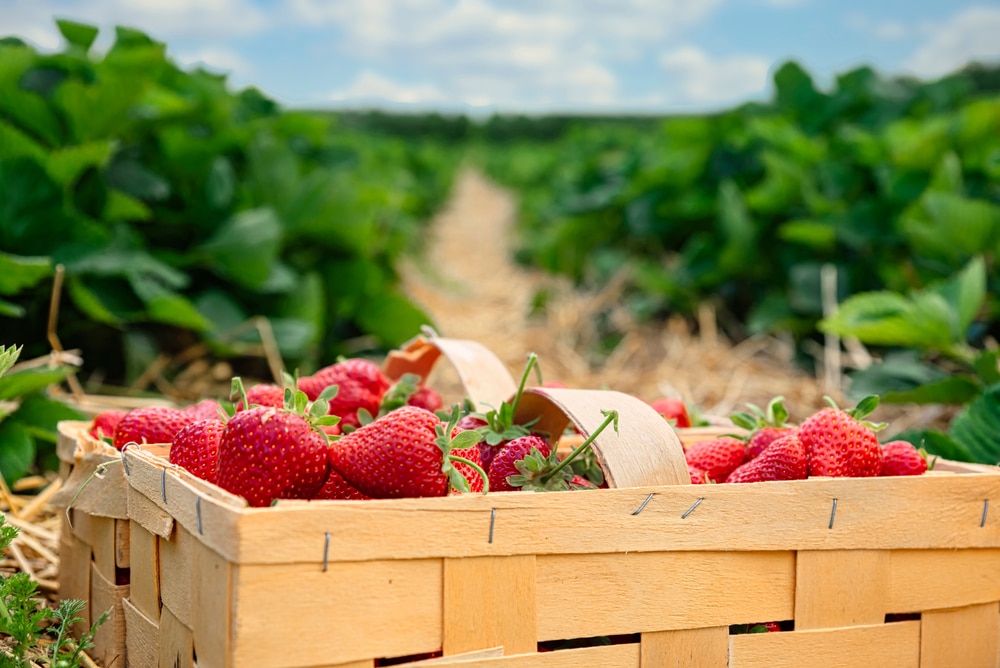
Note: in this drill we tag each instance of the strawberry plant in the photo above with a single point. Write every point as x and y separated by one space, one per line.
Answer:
891 181
36 635
181 209
926 340
28 416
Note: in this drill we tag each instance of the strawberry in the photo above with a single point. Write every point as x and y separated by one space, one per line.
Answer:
529 463
336 487
407 452
839 444
717 457
762 427
268 453
360 387
673 410
150 424
758 441
105 422
579 482
903 458
264 394
196 448
504 464
425 397
784 459
476 481
206 409
698 477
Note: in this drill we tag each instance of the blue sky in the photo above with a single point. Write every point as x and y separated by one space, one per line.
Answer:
479 56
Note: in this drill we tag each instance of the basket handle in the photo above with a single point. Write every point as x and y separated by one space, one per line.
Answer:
486 379
644 453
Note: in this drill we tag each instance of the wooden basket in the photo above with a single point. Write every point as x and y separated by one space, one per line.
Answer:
94 559
882 571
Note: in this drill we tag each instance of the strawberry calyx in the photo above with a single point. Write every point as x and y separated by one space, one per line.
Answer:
297 402
548 474
460 441
865 407
776 415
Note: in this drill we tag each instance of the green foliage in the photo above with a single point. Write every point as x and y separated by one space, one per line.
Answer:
26 621
28 418
181 209
893 182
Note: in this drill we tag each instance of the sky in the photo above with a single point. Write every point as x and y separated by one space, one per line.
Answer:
485 56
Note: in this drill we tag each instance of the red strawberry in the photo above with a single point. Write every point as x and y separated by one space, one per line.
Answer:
579 482
196 448
758 441
336 487
476 482
717 457
503 464
762 427
673 409
352 395
698 476
269 453
902 458
784 459
404 453
206 409
265 394
150 424
105 422
426 397
839 444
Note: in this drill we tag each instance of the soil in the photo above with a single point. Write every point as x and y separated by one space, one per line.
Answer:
470 285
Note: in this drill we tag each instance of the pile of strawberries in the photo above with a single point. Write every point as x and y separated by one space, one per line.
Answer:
346 432
832 442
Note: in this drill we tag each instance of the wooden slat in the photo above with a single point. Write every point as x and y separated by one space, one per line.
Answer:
609 656
142 637
961 637
99 533
351 612
74 572
144 574
490 602
691 648
176 575
212 607
659 591
840 588
928 579
176 642
896 645
121 543
755 517
148 515
109 641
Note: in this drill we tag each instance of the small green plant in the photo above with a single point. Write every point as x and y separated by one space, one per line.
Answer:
38 636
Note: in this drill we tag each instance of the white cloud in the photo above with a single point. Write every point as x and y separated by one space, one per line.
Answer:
704 80
972 34
884 30
516 54
371 87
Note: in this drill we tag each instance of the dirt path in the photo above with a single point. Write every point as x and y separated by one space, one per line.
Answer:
473 290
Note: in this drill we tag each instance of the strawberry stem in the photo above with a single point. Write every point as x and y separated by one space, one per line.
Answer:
610 417
532 360
477 467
